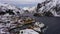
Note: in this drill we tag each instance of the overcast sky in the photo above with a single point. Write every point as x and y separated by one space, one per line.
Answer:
22 2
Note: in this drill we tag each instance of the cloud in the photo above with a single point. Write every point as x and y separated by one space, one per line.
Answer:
22 1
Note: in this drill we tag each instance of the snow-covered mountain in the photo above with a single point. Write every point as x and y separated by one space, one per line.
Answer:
48 6
7 8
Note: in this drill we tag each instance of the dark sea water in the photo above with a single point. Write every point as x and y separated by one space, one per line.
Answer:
53 23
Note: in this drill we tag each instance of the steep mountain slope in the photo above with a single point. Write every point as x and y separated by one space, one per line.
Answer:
48 6
6 8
